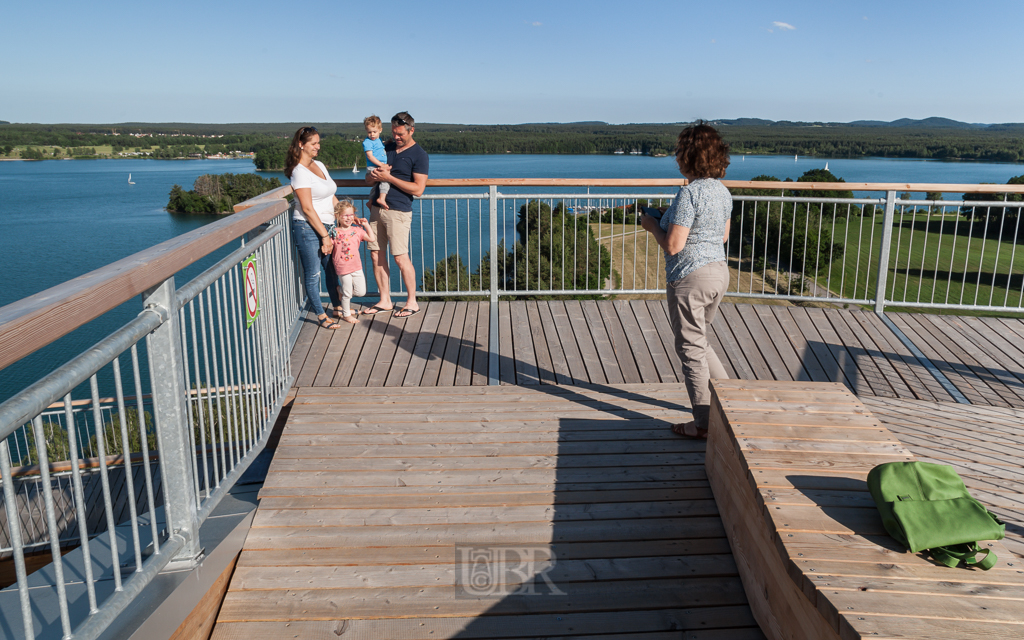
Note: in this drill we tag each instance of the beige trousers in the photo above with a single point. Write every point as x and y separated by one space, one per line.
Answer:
692 306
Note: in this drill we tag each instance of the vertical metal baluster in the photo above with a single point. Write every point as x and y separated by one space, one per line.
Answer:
198 405
219 401
832 242
846 243
952 255
587 286
807 232
209 387
938 253
17 544
764 251
433 240
51 524
551 243
778 248
248 368
115 556
126 452
575 245
924 252
871 248
480 236
189 406
981 258
444 218
226 369
144 437
79 500
241 364
967 255
469 243
1013 255
995 268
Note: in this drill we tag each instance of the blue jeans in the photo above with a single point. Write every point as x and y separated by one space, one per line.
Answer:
308 244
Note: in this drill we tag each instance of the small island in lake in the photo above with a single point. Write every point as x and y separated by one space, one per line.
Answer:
213 193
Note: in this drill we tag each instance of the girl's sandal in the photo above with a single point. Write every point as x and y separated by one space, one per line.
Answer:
690 430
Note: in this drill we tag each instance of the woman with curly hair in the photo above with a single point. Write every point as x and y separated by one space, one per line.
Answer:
692 232
313 219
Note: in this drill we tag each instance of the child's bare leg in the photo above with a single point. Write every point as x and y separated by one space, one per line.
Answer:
383 188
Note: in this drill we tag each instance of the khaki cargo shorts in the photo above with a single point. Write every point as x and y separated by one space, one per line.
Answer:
392 228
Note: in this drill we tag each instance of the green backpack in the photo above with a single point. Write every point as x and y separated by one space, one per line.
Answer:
926 507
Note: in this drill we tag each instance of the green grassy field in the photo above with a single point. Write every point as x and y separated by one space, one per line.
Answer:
933 259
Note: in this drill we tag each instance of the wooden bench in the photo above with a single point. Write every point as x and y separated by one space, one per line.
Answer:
788 463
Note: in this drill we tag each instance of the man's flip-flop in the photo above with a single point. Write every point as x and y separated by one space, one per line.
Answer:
407 313
698 434
374 310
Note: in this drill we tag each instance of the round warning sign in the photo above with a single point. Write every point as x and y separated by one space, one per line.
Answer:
252 292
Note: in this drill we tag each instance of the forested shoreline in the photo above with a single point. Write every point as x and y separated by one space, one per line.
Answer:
932 138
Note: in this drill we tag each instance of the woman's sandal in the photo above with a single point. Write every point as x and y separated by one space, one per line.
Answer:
327 323
690 430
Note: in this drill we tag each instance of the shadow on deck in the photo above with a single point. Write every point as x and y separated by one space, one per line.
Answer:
559 504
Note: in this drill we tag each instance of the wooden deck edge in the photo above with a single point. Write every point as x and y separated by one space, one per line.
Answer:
777 602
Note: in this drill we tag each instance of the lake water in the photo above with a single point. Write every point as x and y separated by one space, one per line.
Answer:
65 218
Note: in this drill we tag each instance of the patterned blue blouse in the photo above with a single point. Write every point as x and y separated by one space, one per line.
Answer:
705 206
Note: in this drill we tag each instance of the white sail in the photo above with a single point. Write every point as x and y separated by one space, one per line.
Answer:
355 167
130 179
826 166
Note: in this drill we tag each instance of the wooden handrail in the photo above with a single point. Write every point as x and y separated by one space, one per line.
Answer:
732 184
34 322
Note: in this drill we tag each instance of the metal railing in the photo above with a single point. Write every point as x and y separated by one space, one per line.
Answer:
795 241
196 383
203 387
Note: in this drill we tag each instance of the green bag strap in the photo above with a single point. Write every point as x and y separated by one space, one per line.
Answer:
951 556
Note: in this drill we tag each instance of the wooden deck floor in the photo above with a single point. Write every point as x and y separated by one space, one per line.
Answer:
414 513
616 342
398 509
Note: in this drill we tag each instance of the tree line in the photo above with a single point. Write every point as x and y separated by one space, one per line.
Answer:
218 193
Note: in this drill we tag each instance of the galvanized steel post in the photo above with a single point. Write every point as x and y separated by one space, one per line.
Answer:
492 339
883 252
166 371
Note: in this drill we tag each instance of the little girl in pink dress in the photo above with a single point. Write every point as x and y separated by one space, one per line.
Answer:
345 257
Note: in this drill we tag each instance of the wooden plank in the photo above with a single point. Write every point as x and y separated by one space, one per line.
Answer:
799 342
659 316
937 355
352 353
729 351
992 357
620 345
545 369
405 349
585 342
523 353
759 368
878 383
450 360
506 351
652 341
428 331
380 363
603 343
567 339
432 369
481 351
787 351
311 365
766 345
702 623
332 356
917 377
303 342
980 378
636 341
825 355
553 338
467 347
888 364
844 358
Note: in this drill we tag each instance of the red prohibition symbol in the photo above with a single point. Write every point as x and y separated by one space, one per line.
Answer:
251 296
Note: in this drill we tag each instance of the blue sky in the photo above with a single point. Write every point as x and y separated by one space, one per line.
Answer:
511 62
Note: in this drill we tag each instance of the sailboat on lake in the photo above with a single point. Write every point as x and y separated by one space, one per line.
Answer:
130 179
355 167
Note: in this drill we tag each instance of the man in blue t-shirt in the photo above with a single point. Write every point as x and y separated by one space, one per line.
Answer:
406 172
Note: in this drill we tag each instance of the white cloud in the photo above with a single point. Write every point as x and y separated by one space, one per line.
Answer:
784 26
535 24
